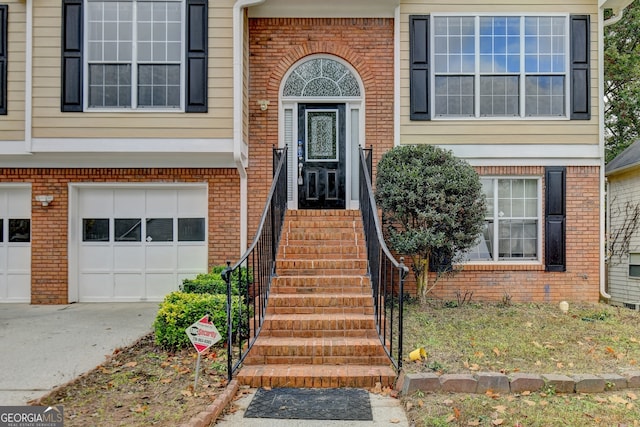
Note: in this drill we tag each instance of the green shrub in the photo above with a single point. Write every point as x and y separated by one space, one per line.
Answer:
212 283
179 310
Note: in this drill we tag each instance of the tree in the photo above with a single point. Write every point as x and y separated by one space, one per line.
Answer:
433 208
622 81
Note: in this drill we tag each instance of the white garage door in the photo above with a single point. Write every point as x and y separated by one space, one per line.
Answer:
15 244
138 244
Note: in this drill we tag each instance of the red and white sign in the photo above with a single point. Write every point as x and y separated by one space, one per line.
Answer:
203 334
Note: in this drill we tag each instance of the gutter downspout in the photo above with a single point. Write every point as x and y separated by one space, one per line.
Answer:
238 103
617 16
28 77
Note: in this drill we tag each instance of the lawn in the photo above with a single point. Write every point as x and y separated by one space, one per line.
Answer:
528 338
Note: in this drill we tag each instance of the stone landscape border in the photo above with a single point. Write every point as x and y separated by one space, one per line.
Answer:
495 382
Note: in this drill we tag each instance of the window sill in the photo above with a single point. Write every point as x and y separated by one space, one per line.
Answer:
504 266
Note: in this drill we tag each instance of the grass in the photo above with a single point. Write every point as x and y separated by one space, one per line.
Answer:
530 338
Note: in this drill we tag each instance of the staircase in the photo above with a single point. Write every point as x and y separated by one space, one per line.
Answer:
319 330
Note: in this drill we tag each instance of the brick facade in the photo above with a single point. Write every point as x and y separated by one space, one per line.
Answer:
49 225
275 45
522 283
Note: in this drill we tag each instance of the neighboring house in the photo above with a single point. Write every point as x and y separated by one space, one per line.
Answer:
150 126
623 227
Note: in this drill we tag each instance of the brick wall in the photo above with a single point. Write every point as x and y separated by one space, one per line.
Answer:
49 225
276 45
521 283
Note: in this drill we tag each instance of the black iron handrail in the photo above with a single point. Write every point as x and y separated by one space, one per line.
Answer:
387 274
247 304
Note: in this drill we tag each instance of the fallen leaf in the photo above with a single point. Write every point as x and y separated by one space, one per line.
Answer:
394 421
474 367
408 406
617 399
497 422
139 409
450 418
631 395
500 409
530 402
166 380
537 344
600 399
165 364
496 351
479 354
456 413
528 324
526 393
130 364
543 403
473 423
187 393
560 365
610 350
448 402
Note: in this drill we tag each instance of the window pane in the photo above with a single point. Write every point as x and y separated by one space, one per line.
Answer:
545 95
105 84
191 230
155 83
95 230
19 230
456 96
159 230
634 270
499 96
128 229
1 230
483 251
513 243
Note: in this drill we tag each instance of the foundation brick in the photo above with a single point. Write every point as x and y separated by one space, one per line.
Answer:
458 383
492 382
526 382
560 383
586 383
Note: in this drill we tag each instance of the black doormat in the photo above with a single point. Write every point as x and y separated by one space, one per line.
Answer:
311 404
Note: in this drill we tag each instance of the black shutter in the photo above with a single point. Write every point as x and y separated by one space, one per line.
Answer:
71 97
419 67
4 10
580 74
197 25
555 219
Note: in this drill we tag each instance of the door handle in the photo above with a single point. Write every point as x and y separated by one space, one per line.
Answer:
300 181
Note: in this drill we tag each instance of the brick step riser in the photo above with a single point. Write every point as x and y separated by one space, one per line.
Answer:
320 310
321 252
324 242
317 382
320 300
356 281
357 349
316 333
331 226
310 325
315 272
313 290
320 264
318 360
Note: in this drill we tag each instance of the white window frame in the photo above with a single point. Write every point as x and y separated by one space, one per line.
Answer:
496 228
522 74
134 63
634 259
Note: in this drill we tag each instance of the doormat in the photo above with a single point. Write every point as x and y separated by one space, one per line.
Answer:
311 404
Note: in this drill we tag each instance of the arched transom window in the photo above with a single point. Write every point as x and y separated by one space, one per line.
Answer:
321 77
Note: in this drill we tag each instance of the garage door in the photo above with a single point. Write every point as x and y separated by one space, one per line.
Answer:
15 244
138 244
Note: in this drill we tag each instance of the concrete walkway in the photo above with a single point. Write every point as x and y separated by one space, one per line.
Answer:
387 411
44 346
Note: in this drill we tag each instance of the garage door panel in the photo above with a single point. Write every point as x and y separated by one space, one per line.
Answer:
96 258
19 259
129 258
161 258
19 203
191 257
96 287
18 287
191 203
162 203
96 203
129 285
128 203
159 285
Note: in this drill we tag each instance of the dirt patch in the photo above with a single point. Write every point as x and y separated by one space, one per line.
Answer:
142 385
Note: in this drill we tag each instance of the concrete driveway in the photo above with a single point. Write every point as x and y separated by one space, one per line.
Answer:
44 346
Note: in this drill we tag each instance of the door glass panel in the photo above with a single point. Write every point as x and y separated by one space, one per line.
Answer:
191 230
95 230
159 230
128 229
322 141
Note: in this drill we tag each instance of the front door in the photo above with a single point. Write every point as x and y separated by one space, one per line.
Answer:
321 156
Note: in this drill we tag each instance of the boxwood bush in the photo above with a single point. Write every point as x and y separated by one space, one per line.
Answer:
179 310
212 282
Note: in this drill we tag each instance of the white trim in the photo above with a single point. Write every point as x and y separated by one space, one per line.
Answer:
528 155
396 77
131 145
603 202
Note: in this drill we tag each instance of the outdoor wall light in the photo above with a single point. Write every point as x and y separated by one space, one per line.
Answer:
45 199
264 104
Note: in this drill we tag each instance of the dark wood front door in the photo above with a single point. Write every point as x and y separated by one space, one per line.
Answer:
321 156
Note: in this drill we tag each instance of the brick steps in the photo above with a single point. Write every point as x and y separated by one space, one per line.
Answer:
362 376
319 329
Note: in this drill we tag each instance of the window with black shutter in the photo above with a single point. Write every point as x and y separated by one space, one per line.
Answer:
139 55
